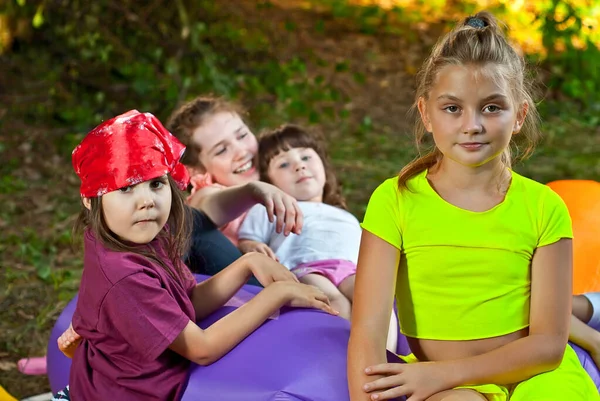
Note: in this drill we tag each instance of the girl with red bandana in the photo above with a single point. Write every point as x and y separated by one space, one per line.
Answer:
220 157
137 301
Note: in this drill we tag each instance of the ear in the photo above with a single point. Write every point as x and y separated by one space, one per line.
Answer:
422 106
521 114
87 202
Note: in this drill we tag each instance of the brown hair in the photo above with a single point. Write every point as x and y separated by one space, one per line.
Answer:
189 116
175 235
289 136
476 41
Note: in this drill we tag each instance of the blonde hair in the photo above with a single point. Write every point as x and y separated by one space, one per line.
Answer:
476 41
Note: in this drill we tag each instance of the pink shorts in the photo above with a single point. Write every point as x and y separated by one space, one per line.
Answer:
336 270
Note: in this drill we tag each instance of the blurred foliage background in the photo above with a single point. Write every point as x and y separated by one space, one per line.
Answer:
344 66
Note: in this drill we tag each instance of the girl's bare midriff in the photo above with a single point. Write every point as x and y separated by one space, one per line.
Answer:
440 350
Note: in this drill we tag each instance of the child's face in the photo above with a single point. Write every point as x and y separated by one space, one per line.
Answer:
471 115
228 149
298 172
138 213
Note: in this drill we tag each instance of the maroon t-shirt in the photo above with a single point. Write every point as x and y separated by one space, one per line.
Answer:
128 312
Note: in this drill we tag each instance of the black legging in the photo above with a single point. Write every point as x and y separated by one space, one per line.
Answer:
210 251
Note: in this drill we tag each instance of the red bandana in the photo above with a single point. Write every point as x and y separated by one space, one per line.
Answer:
126 150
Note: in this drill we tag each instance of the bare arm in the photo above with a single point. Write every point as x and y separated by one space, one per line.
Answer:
213 293
373 297
207 346
581 334
248 245
584 336
582 308
224 205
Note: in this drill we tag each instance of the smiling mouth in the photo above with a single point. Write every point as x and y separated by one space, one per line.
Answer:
244 167
472 145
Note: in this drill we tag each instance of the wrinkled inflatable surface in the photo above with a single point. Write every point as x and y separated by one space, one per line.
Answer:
298 356
583 201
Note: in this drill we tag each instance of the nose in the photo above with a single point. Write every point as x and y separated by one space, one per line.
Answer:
300 165
472 123
239 151
145 198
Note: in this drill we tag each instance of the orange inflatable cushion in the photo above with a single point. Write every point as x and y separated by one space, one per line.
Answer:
583 201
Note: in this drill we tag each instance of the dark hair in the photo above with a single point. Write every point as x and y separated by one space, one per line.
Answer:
289 136
476 41
175 235
191 115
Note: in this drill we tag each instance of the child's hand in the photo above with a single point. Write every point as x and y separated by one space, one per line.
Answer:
267 271
281 207
419 381
247 246
306 296
68 341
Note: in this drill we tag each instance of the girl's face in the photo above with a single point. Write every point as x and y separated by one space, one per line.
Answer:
139 212
228 149
471 115
299 172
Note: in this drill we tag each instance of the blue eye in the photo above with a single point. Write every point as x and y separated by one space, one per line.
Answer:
305 158
284 165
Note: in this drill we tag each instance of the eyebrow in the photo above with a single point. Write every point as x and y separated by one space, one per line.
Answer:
493 96
282 154
217 145
237 131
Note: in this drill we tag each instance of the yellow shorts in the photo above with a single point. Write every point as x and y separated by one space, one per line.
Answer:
567 382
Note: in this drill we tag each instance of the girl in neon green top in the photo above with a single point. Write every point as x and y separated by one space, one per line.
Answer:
479 256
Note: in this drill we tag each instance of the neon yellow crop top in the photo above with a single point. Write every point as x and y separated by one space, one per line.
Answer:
465 275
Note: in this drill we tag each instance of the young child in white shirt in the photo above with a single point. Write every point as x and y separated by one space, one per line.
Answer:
325 253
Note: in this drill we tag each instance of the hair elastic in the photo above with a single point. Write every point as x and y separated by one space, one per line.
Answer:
476 22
